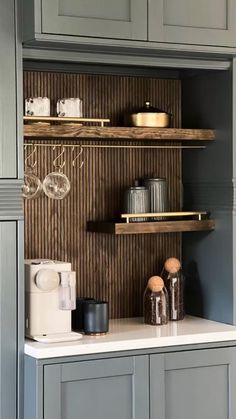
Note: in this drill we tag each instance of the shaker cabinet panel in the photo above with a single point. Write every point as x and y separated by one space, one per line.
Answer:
123 19
8 121
196 22
8 315
108 388
196 384
206 22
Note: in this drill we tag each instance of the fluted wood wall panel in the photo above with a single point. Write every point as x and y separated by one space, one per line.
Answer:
108 267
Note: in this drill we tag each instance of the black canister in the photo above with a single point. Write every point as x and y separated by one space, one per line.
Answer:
78 313
96 320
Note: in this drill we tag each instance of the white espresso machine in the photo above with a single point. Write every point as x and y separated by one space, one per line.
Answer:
50 295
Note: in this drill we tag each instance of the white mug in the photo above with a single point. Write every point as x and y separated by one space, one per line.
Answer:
37 106
71 107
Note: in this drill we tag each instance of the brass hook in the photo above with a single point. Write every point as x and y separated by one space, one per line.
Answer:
76 157
60 166
29 157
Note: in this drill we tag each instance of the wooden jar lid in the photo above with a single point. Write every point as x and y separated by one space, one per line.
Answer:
172 265
155 283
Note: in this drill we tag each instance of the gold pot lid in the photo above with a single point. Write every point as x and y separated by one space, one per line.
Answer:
148 108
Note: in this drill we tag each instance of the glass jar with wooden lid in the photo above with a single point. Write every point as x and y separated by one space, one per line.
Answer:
156 310
174 282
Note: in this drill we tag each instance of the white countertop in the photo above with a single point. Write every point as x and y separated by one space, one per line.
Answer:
132 334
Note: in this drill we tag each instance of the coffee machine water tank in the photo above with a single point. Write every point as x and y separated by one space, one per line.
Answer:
50 295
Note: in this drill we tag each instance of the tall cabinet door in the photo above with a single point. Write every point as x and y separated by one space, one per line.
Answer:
206 22
123 19
11 215
8 103
116 388
8 319
194 384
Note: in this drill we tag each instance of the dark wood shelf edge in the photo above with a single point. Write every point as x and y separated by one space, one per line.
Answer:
114 133
150 227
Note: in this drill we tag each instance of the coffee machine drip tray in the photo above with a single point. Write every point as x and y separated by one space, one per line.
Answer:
58 337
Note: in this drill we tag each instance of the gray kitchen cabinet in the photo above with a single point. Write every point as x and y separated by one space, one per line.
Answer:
11 215
8 103
8 315
106 388
195 22
200 22
193 384
123 19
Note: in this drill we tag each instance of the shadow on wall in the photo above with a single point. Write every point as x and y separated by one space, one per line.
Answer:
194 303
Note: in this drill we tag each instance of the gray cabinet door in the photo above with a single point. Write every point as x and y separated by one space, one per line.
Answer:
194 384
8 105
123 19
116 388
8 315
206 22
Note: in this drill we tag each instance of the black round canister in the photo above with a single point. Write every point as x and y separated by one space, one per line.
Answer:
96 320
78 313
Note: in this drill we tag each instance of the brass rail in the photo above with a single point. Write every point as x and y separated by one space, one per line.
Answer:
33 144
198 214
61 120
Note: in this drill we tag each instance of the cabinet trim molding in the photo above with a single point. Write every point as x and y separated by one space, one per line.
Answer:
11 204
125 56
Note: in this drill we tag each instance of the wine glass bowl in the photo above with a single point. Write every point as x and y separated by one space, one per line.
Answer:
32 186
56 185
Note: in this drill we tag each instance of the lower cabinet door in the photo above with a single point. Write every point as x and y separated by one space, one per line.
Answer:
115 388
8 316
193 385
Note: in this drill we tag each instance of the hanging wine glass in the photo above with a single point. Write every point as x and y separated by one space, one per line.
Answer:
32 186
56 185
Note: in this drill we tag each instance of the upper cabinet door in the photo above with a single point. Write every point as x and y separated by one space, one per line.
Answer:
202 22
8 105
123 19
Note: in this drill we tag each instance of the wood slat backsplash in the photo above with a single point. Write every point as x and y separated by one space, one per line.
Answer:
108 267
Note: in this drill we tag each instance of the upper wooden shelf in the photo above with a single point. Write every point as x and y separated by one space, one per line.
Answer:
150 227
114 133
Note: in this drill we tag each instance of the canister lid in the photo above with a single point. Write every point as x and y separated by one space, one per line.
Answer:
155 283
148 108
154 179
137 188
172 265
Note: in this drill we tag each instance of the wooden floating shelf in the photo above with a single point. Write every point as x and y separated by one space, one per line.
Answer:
150 227
120 133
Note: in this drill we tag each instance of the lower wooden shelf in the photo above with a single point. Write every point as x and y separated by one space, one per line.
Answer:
150 227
